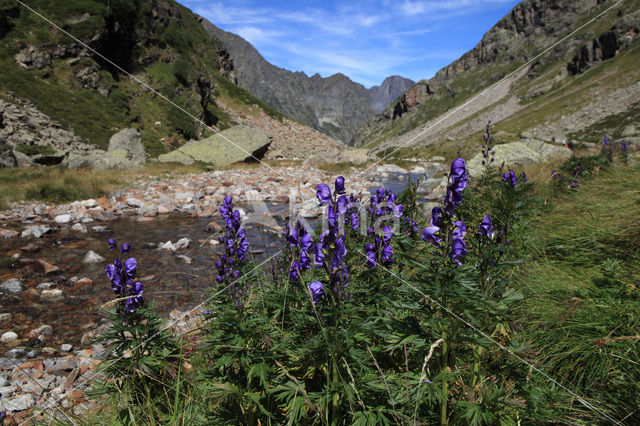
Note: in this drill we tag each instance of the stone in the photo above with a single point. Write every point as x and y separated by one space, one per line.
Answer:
66 347
5 316
92 257
78 227
519 154
7 157
90 203
629 131
182 243
9 336
51 295
437 158
390 168
7 233
16 353
45 286
62 219
43 330
127 144
13 285
36 231
46 267
19 403
185 259
248 143
134 202
84 282
427 186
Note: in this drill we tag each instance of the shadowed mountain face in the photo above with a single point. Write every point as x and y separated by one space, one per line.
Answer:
334 105
528 29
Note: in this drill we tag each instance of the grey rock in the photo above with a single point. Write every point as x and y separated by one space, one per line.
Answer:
629 131
16 353
185 259
90 203
32 354
427 186
182 243
92 257
19 403
134 202
36 231
127 145
78 227
32 58
249 143
390 168
63 218
66 347
13 285
5 316
7 157
45 286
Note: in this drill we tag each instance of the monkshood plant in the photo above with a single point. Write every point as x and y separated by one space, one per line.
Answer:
145 357
235 367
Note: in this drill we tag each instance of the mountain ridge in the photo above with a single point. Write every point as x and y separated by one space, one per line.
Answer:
334 105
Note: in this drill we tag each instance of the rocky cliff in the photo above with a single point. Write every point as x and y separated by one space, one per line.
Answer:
528 29
334 105
159 42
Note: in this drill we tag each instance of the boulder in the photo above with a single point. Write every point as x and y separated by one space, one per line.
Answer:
240 143
127 145
629 131
519 154
7 157
12 285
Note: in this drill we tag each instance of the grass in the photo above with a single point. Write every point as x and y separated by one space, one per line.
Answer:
582 311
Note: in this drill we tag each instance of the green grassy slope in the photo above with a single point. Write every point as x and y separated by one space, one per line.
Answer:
160 42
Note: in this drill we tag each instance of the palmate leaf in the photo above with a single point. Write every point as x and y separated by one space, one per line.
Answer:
294 401
261 371
370 418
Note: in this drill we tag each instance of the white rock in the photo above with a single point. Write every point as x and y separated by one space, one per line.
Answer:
63 218
54 294
390 168
185 259
92 257
35 231
5 316
12 285
22 402
78 227
89 203
7 337
167 246
66 347
45 286
134 202
182 243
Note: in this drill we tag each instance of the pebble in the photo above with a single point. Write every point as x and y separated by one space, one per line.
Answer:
5 316
45 286
84 281
78 227
52 295
90 203
22 402
12 285
9 336
92 257
134 202
16 353
66 347
15 257
35 231
185 259
62 219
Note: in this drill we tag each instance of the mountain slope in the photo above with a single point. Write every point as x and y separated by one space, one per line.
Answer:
158 41
334 105
426 113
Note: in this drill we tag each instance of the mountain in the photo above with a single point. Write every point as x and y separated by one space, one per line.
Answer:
46 74
586 85
334 105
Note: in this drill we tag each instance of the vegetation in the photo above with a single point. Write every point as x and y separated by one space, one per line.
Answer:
516 303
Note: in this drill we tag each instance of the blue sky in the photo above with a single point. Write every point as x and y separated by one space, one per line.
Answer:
365 40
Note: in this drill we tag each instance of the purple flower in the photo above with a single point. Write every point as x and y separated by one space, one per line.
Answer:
306 241
342 205
387 255
371 257
316 290
294 271
112 244
624 147
605 140
485 229
130 267
318 254
125 249
110 269
430 235
458 250
339 185
459 230
323 193
355 221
